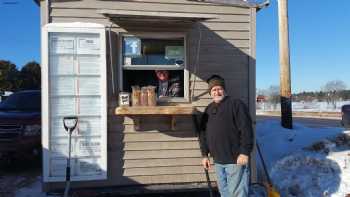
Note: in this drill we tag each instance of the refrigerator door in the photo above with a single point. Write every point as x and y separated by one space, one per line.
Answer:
74 84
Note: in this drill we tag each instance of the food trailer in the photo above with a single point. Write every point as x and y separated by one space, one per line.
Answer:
100 56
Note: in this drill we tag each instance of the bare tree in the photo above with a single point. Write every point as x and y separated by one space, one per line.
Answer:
273 93
261 92
332 89
261 96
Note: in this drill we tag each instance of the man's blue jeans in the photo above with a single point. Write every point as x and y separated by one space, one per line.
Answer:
233 180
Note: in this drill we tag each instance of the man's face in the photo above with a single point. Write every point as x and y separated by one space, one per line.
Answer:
162 75
217 93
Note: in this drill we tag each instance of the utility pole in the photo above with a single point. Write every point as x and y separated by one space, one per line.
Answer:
285 84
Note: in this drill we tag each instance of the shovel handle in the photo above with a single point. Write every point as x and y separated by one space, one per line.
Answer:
264 165
209 183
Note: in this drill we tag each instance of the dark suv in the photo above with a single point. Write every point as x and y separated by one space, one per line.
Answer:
20 125
345 116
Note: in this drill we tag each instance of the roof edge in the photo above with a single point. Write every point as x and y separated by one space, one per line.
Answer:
238 3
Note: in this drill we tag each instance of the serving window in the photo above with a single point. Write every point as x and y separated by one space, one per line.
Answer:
158 61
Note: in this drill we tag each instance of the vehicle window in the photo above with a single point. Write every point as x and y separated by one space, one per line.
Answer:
30 101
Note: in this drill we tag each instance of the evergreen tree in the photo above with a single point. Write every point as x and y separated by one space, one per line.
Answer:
30 76
9 76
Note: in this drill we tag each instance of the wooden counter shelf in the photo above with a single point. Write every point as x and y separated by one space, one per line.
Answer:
156 110
138 111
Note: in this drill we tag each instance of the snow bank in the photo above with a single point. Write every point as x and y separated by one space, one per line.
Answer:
304 174
320 169
276 142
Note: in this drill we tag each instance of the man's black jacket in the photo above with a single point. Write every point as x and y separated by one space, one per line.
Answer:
226 131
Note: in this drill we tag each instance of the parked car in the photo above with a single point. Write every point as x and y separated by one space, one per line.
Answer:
345 116
4 95
20 125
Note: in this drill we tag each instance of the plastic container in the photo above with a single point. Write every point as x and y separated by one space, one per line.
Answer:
136 96
144 96
152 97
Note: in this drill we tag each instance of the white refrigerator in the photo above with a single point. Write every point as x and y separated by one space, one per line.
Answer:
74 84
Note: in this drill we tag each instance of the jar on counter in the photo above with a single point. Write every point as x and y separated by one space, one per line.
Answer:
144 96
136 96
152 97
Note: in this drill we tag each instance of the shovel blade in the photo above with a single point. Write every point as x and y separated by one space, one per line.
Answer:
272 192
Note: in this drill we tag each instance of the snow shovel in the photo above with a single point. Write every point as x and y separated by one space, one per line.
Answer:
69 124
271 191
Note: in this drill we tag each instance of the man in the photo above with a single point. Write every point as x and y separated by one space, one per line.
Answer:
168 87
227 134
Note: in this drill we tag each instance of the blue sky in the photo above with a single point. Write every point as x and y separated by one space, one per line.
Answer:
319 44
20 31
319 41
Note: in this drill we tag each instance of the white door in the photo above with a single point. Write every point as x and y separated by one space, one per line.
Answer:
75 85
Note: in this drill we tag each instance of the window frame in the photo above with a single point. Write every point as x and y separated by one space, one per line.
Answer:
156 35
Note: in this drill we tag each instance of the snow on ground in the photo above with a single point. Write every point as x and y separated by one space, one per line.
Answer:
310 106
34 190
322 170
318 106
312 174
276 142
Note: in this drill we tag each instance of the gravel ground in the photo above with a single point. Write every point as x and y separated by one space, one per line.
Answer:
24 173
23 179
18 174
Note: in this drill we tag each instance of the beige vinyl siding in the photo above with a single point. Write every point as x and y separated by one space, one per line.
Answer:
151 6
142 163
90 13
156 154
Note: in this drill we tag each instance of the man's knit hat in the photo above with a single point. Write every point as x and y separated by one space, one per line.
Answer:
215 80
